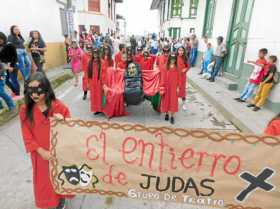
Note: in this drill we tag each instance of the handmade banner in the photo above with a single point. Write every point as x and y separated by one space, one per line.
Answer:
201 168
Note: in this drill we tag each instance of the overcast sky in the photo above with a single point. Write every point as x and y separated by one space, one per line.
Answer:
139 17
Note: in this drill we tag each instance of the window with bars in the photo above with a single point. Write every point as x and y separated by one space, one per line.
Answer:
193 8
176 8
174 32
163 12
94 5
209 18
168 10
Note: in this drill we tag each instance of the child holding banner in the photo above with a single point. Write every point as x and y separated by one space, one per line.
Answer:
170 82
40 105
273 127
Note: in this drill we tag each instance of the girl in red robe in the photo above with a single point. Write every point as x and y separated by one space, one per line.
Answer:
183 67
120 57
161 60
170 82
97 77
138 56
273 128
147 62
85 61
107 60
40 104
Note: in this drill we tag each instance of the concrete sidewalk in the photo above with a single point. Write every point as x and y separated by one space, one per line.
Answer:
223 99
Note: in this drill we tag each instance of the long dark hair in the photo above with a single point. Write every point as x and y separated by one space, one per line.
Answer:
171 56
13 34
3 37
49 94
40 39
185 56
109 55
90 65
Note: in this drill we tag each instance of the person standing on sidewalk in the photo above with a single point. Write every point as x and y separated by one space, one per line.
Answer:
266 85
194 50
37 48
24 63
67 43
3 94
8 55
75 53
40 105
183 67
256 76
273 128
219 54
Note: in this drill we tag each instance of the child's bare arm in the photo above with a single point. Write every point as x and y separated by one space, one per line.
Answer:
270 76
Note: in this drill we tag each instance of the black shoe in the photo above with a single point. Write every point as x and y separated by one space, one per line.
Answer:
250 105
84 97
256 109
97 113
212 80
61 204
166 117
172 120
200 73
239 100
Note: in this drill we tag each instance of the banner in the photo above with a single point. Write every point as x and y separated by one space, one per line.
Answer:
201 168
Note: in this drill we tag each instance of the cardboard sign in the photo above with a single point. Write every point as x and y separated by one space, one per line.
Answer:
201 168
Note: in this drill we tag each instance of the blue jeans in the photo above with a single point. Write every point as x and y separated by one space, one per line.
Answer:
248 91
193 56
6 97
24 63
205 64
12 78
217 67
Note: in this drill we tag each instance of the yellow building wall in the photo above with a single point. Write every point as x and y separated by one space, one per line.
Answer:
55 55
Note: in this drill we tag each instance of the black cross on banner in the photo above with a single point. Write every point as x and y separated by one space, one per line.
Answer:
258 182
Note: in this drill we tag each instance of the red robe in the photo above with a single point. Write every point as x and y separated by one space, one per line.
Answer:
181 66
115 93
105 64
35 136
120 63
147 64
273 129
138 57
170 82
96 89
85 62
161 62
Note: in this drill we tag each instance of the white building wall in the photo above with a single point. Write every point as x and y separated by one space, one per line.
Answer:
221 20
41 15
185 23
87 18
264 33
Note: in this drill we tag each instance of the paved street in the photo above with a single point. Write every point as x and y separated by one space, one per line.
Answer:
16 190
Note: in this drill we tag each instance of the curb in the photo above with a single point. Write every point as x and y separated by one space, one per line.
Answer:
228 115
56 81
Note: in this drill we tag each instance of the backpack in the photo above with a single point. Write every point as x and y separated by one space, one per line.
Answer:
276 77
